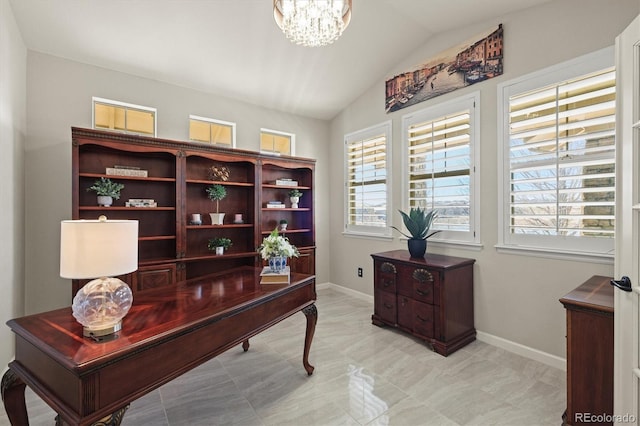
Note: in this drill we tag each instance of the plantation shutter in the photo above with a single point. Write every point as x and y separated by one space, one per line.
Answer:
439 163
562 159
367 181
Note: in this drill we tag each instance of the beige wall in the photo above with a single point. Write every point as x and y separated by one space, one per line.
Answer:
59 97
13 88
516 296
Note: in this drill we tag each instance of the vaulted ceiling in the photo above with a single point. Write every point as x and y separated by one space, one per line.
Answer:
234 48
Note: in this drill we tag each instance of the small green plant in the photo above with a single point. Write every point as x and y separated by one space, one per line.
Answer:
418 222
216 193
295 193
107 187
219 242
283 221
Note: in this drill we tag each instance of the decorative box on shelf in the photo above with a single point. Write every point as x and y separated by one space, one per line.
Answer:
141 202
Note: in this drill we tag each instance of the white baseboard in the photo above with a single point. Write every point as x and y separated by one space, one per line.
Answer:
507 345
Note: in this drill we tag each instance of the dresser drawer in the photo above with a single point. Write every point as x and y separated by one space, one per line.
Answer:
385 276
423 319
405 312
385 306
417 283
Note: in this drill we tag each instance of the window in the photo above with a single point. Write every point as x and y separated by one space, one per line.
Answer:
208 130
278 143
559 160
442 162
367 180
128 118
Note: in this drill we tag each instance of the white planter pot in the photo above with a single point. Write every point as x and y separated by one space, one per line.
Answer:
105 200
219 250
217 218
294 202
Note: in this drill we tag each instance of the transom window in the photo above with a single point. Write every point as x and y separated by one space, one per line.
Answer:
209 130
560 164
367 164
123 117
276 142
441 166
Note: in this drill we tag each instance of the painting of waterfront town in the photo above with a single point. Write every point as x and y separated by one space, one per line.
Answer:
468 63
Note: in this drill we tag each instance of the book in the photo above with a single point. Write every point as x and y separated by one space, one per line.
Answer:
275 206
269 277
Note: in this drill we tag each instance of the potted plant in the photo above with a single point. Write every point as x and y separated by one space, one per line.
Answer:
283 225
294 197
418 222
216 193
219 244
107 191
277 249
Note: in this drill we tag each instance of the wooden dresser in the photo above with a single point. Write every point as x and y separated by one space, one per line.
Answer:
589 350
430 298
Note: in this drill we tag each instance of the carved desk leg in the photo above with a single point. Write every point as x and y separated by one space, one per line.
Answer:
13 397
312 318
245 345
114 419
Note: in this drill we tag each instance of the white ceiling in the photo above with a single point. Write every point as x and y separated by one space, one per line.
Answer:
235 49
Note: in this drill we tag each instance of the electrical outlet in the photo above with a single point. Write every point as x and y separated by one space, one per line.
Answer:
360 272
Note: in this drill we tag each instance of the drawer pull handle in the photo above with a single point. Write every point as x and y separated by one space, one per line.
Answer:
422 293
388 305
422 275
388 267
422 319
387 283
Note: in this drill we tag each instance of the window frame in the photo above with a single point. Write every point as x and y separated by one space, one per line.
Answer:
292 142
230 124
571 248
127 106
472 237
385 231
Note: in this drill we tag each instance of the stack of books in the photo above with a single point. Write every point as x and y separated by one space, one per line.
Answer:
118 170
275 205
267 276
286 182
141 202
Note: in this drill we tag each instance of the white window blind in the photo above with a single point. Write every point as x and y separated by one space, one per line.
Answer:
562 159
367 176
441 166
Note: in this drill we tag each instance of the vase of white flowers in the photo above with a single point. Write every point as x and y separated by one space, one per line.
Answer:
276 249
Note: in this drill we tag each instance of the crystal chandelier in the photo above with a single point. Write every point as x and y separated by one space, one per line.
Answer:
312 22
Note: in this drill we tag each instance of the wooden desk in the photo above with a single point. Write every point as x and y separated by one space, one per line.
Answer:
167 332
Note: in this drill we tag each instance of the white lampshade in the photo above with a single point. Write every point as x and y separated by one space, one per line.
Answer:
98 248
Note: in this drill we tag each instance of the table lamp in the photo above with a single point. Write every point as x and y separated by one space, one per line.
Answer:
99 249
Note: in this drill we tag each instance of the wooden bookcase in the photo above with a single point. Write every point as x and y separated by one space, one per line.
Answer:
172 249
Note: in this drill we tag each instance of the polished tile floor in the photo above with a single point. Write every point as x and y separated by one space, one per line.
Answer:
365 375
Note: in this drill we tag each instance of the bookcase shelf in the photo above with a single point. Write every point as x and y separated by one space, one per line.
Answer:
172 249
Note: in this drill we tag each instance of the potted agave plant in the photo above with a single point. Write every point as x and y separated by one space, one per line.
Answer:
418 222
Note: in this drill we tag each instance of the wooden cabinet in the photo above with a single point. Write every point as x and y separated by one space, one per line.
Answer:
430 298
589 311
171 247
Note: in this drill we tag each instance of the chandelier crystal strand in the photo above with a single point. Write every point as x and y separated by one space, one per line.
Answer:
312 22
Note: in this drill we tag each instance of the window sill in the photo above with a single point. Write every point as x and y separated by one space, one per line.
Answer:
576 256
367 236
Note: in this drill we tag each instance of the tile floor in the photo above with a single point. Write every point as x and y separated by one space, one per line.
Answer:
365 375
